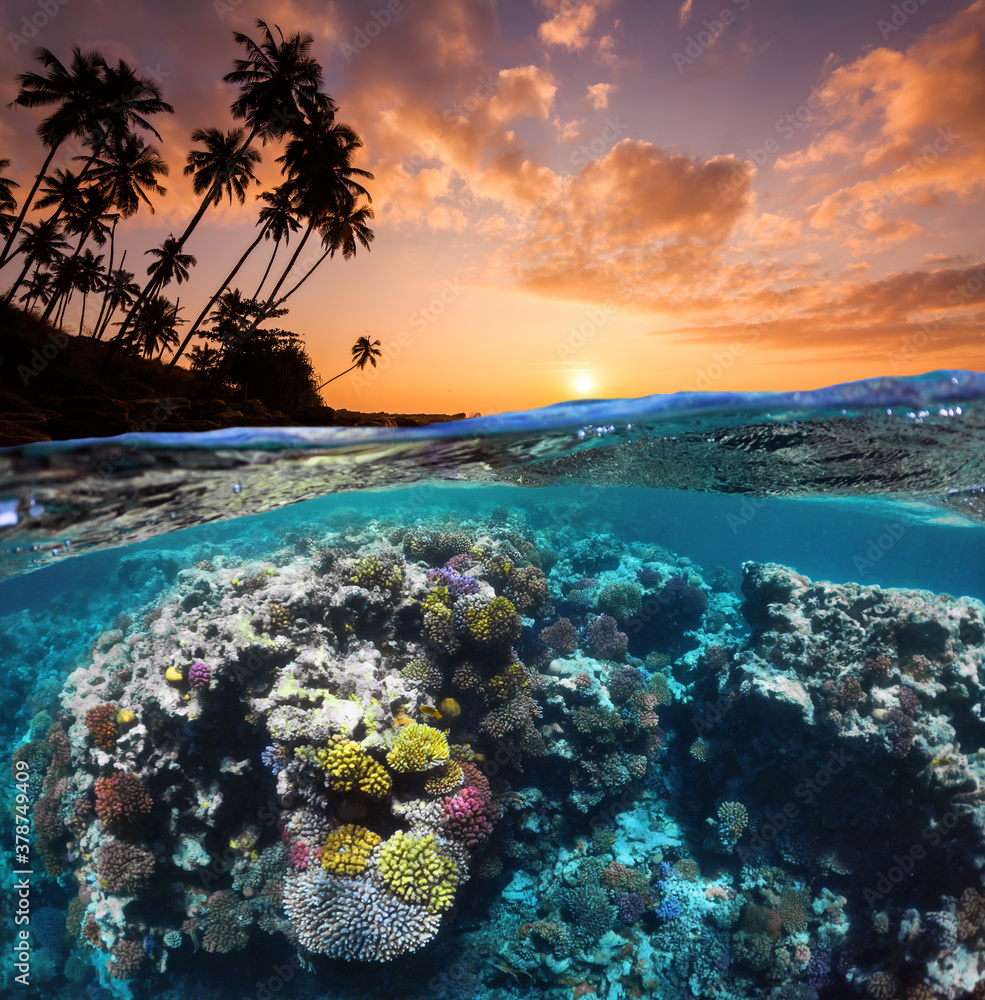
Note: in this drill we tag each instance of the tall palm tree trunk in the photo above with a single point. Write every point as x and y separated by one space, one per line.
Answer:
109 275
270 264
7 253
215 298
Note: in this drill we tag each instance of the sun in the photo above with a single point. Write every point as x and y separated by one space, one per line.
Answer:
584 384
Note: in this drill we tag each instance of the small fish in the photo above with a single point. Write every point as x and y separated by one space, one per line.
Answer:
105 885
479 756
942 762
430 711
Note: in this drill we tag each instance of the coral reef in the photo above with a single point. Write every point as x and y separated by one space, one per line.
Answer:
564 764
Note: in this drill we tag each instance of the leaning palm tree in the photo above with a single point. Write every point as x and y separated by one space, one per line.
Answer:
323 185
64 189
363 350
41 243
318 164
121 178
279 84
95 101
276 222
126 174
73 91
87 220
171 264
7 201
342 231
225 167
38 288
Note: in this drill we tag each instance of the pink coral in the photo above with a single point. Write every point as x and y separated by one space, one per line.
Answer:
470 816
199 674
299 855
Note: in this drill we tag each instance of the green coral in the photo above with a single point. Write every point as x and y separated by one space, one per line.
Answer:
418 748
348 767
415 870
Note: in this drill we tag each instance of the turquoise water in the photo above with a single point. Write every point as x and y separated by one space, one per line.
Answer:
676 697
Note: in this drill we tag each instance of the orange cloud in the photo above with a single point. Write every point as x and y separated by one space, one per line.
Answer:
599 95
570 25
904 129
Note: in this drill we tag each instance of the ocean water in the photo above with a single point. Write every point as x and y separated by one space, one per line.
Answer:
673 697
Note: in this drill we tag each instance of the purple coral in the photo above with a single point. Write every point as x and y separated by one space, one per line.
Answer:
457 584
199 674
603 639
630 906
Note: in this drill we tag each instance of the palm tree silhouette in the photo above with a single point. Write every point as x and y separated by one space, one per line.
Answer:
342 231
276 222
121 291
155 327
72 90
95 101
225 166
171 264
321 181
64 189
280 84
7 201
90 278
37 288
43 244
363 350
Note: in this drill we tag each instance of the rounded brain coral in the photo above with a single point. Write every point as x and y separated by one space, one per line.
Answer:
418 748
415 870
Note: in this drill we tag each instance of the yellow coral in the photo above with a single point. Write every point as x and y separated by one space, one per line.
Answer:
445 780
349 768
418 748
415 870
496 622
379 572
347 850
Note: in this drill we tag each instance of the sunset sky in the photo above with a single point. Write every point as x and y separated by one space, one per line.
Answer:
594 198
